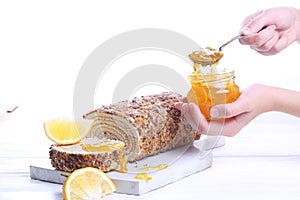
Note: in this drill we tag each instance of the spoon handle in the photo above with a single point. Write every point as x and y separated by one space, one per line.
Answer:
232 39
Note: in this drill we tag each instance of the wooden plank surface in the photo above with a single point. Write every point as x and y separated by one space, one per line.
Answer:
262 162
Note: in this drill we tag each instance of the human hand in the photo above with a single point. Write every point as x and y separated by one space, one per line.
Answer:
272 30
231 117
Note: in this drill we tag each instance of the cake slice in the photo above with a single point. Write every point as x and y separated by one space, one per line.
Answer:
103 154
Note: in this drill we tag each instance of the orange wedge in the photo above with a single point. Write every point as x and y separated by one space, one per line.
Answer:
87 183
64 131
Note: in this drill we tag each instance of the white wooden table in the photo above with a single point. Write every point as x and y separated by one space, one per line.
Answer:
262 162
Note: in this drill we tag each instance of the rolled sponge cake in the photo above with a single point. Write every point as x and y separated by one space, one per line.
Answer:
148 125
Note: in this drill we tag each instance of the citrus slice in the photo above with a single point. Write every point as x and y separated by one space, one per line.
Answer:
64 131
87 183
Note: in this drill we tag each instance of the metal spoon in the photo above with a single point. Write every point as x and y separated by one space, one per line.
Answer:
214 59
232 39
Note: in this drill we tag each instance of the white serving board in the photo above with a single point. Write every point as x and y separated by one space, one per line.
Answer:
182 162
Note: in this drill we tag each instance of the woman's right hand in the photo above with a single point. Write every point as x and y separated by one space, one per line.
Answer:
271 30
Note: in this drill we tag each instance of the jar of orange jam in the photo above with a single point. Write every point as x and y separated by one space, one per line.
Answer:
211 86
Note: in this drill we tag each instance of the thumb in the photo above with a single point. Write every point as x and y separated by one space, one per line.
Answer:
229 110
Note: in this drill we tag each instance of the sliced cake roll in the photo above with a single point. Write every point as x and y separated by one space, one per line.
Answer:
103 154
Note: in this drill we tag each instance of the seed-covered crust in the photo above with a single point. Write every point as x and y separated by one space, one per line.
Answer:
147 125
71 157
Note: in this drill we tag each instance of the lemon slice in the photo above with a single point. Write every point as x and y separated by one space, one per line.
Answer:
64 131
87 183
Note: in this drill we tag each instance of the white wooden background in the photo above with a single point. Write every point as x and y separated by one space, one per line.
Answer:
262 162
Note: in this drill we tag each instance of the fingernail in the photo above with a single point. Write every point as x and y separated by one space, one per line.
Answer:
214 113
274 27
184 108
178 105
245 31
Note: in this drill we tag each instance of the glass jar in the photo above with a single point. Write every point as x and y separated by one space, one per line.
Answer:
210 89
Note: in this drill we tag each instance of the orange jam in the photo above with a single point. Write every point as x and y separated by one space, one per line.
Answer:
151 168
109 146
211 86
123 164
105 145
143 176
206 56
